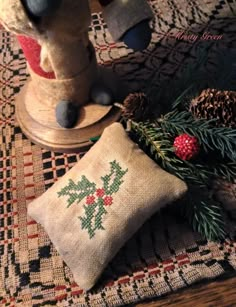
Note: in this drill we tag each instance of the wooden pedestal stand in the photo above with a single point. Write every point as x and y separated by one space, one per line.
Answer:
39 124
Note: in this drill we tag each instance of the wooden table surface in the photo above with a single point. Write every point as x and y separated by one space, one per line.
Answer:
220 293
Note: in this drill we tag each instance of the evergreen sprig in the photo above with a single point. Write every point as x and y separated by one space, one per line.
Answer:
218 144
159 144
225 170
204 213
211 138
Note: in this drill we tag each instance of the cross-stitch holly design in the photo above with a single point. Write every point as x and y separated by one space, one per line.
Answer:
96 199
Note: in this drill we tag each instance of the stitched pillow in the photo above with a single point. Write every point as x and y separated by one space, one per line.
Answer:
101 202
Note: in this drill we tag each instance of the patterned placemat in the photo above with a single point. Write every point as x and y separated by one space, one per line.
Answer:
165 255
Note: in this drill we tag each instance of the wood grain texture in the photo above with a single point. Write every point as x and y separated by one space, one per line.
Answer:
95 6
45 132
221 293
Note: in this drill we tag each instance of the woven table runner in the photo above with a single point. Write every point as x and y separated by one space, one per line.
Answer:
165 255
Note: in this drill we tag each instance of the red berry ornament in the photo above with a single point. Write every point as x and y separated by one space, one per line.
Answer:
186 146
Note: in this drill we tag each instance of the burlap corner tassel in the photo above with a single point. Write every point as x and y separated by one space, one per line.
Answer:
101 202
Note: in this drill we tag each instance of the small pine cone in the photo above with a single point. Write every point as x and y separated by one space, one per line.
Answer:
137 107
214 104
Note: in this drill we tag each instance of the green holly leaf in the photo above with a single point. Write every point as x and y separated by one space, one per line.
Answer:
92 219
77 192
112 181
94 210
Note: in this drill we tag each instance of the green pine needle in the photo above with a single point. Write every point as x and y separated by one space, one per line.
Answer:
218 144
221 139
204 214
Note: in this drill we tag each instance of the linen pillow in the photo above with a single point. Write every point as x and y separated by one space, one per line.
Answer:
101 202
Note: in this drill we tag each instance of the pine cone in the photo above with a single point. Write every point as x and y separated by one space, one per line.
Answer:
214 104
137 107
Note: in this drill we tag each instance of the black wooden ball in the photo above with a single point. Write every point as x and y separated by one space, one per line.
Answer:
101 94
41 8
67 114
138 37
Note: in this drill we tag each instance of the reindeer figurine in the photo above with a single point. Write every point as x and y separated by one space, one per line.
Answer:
69 96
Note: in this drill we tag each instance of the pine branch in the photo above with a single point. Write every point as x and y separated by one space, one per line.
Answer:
211 138
184 98
161 149
226 171
153 136
159 146
205 214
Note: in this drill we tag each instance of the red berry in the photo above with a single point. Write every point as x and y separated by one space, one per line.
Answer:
108 200
186 146
90 200
100 192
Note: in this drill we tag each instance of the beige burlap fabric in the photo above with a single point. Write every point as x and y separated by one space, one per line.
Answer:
101 202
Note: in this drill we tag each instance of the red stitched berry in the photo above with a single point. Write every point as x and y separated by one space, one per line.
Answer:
108 200
186 146
90 200
100 192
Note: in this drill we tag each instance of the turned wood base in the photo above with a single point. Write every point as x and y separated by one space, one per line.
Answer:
38 123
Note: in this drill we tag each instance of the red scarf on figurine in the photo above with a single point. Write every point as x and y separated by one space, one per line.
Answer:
136 35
